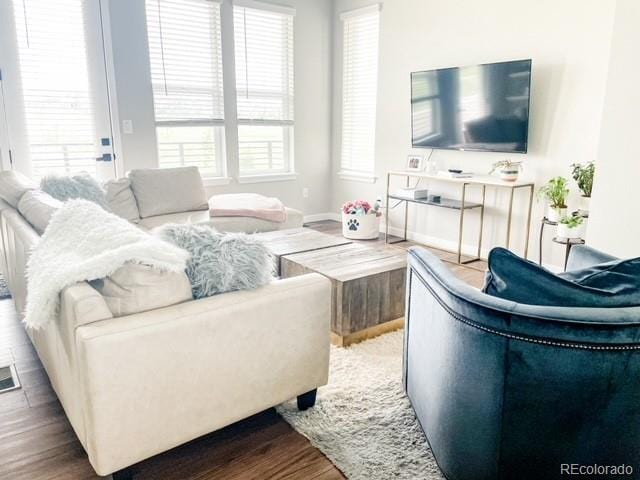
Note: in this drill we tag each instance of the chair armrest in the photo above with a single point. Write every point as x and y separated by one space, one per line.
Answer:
582 256
606 325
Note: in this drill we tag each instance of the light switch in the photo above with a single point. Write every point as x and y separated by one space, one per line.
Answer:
127 126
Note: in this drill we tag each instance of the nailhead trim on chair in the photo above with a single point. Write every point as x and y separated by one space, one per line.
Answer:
466 321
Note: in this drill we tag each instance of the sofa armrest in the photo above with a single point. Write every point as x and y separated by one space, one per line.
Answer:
582 256
154 380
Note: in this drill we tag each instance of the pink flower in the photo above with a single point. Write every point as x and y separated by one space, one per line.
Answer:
352 207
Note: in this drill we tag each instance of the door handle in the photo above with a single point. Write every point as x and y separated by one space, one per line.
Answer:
106 157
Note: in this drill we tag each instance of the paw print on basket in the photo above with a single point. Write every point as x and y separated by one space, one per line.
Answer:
353 224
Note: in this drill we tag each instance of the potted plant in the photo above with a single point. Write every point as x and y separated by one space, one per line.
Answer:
508 169
555 191
583 175
570 227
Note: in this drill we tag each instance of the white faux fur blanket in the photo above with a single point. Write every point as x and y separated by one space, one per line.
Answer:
85 242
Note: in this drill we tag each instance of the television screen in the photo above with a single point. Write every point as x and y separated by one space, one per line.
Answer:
480 107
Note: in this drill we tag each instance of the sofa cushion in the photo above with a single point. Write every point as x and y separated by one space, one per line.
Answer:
256 225
615 284
37 207
137 288
224 224
195 217
13 185
221 262
82 186
619 276
121 200
160 191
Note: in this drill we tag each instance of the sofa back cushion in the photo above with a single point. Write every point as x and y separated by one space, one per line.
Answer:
37 207
137 288
614 284
13 185
160 191
121 200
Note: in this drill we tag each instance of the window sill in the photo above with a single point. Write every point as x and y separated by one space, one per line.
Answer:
216 181
358 177
268 177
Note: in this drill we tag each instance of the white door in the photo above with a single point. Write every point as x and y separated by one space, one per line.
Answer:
56 95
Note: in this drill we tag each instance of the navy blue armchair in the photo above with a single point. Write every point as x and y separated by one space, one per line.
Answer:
512 391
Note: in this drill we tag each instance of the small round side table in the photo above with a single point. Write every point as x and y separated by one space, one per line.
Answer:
567 242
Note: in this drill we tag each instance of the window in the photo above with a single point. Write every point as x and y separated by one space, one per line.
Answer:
425 108
264 85
58 104
185 51
359 89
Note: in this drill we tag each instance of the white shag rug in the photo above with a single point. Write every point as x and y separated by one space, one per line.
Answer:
362 420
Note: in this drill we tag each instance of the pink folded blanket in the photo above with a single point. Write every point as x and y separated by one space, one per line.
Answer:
247 205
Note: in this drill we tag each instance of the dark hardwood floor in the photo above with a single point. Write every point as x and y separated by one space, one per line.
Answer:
38 443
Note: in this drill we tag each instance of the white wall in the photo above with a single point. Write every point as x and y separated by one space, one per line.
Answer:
613 222
569 44
132 74
312 63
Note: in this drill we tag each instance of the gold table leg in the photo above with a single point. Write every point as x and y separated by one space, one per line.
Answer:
387 212
526 241
509 215
464 194
484 190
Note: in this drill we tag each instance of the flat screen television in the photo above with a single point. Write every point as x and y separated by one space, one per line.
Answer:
479 108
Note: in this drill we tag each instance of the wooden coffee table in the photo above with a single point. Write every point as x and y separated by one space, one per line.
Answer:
368 292
297 240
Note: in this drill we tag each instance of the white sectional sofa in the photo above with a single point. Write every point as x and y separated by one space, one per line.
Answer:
137 385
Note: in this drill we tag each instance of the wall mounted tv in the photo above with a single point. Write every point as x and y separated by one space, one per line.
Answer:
480 107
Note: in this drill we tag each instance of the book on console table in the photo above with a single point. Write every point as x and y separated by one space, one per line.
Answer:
450 174
412 193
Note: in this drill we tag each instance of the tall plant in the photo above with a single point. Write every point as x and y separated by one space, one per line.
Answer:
556 192
583 175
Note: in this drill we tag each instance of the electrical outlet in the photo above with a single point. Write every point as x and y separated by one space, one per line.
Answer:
305 192
127 126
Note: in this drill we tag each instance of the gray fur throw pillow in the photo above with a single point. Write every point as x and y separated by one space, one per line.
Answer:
83 186
220 262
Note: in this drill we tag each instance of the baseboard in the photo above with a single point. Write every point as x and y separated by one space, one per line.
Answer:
436 242
319 217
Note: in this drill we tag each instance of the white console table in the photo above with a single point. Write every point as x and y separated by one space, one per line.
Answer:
461 205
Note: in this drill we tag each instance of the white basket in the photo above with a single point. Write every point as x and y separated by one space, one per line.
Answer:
360 227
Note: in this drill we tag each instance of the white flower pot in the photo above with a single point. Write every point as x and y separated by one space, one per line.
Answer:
360 227
509 174
584 204
555 214
563 231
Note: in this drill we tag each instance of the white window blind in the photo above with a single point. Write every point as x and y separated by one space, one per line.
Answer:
359 89
185 51
55 85
264 83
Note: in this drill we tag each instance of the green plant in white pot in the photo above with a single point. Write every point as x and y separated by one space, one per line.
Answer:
570 227
555 191
583 175
508 170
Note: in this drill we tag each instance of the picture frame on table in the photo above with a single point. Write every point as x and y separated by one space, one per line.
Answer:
415 163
